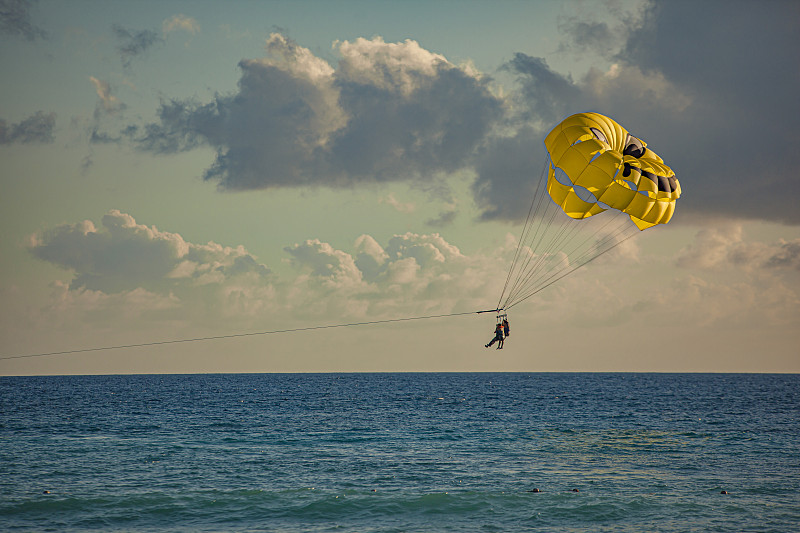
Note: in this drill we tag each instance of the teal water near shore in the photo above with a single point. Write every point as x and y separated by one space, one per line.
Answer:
400 452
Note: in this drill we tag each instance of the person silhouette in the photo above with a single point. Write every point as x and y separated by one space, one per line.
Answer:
498 337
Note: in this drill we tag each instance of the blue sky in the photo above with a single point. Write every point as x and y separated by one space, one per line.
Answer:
177 170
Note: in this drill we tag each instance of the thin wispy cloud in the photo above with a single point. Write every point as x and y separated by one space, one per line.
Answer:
180 23
403 207
38 128
108 103
15 20
132 44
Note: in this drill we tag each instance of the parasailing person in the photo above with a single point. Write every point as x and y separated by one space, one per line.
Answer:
498 337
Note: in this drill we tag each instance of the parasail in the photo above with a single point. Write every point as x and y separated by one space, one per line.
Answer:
594 167
592 153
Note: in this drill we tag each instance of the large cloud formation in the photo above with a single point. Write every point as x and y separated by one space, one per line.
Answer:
711 89
389 111
123 262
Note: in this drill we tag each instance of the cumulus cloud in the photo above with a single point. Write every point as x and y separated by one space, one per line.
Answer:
410 112
387 112
123 255
15 19
134 43
37 128
724 246
412 273
121 262
333 268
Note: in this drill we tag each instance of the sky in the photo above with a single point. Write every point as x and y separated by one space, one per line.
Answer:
175 170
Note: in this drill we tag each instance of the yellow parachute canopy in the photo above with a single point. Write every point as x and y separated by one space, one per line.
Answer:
595 164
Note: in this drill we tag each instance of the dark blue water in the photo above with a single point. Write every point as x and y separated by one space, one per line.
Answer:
400 452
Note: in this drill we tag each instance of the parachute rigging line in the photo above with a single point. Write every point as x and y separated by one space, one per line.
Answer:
523 234
548 282
253 334
552 245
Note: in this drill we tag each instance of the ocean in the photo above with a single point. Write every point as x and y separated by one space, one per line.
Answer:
407 452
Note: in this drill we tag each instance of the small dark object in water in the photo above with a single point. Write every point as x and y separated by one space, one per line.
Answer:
45 492
575 490
534 490
724 492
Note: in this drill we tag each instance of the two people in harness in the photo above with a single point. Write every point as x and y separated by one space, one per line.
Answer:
500 333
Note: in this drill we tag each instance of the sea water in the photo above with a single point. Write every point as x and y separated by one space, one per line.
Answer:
400 452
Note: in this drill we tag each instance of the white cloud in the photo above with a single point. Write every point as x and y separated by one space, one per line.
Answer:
333 268
403 271
413 274
108 102
108 308
395 67
286 54
391 200
424 248
123 256
725 245
180 23
367 245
